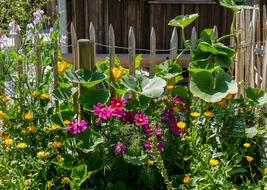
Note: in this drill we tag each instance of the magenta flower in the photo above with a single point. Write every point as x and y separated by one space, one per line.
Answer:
38 16
160 147
77 127
14 28
148 146
178 100
120 148
128 116
141 119
102 111
118 103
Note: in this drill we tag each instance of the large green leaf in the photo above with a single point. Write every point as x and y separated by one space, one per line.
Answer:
93 96
64 93
85 78
256 95
223 61
211 89
79 175
230 4
203 65
183 20
136 160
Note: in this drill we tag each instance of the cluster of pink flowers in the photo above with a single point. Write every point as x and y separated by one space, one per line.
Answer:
120 148
77 127
148 146
116 109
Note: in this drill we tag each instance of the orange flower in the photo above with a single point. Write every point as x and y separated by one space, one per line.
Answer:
221 103
32 128
186 179
175 109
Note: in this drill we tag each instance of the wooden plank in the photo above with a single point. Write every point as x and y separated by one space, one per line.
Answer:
111 57
264 66
258 39
247 48
152 62
84 56
93 45
38 66
237 61
215 32
252 56
131 42
174 44
264 24
194 38
242 52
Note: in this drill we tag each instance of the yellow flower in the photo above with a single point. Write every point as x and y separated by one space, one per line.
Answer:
32 128
186 179
118 72
150 162
22 145
249 158
67 122
5 99
42 154
234 188
214 162
187 138
2 115
62 67
229 97
195 114
28 116
54 127
246 145
181 124
29 175
44 96
8 142
33 94
50 184
209 114
59 157
65 180
265 171
170 88
59 144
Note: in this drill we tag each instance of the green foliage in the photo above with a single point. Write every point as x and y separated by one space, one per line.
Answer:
183 20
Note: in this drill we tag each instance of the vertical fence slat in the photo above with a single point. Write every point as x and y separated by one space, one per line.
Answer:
237 60
152 58
264 66
75 64
247 48
38 66
111 37
242 52
264 19
93 45
174 44
215 31
132 47
194 38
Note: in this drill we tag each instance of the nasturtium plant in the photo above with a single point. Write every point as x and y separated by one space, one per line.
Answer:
183 20
256 95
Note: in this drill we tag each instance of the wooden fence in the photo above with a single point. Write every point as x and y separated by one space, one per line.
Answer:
251 58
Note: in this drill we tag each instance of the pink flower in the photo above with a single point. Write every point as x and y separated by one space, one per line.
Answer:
118 103
178 100
120 148
102 111
148 146
77 127
141 119
160 147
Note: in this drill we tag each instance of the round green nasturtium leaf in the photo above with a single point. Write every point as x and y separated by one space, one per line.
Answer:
64 93
211 89
93 96
183 20
256 95
223 61
85 78
203 65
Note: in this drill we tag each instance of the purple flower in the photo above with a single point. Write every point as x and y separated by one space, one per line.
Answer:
3 39
120 148
178 100
160 147
62 39
141 119
167 116
148 146
30 26
77 127
14 28
149 131
38 16
102 111
128 116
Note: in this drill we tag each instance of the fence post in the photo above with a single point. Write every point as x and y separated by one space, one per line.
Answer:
111 38
174 44
264 67
215 31
92 45
247 48
152 59
2 88
252 56
131 45
194 38
38 66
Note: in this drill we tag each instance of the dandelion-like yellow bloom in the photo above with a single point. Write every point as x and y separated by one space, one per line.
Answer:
50 184
8 142
186 179
195 114
246 145
22 145
150 162
214 162
62 67
187 138
5 99
170 88
229 97
55 127
42 154
249 158
65 180
28 116
58 144
59 157
44 96
181 124
118 72
32 128
2 114
265 171
67 122
209 114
